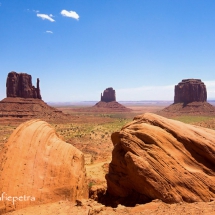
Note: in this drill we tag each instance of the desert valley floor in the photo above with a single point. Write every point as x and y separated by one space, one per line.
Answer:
91 133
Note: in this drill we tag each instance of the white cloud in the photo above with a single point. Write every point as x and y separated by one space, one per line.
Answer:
210 85
45 16
71 14
49 32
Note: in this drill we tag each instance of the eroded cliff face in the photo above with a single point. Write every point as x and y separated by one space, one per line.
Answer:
190 90
20 85
109 95
158 158
37 164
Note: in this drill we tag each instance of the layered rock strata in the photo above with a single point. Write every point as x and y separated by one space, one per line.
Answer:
38 167
110 107
22 109
190 90
20 85
24 102
158 158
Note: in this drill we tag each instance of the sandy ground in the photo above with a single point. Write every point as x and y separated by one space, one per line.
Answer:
90 207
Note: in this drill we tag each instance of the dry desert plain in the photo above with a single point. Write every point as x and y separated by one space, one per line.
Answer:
91 133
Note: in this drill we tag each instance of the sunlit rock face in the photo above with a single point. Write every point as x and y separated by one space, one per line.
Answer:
158 158
36 164
190 90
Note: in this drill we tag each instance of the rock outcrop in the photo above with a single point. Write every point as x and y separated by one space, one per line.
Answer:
190 90
22 109
108 103
20 85
159 158
38 167
190 99
24 102
109 107
189 109
109 95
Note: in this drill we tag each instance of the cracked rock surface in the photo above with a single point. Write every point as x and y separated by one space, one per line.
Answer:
158 158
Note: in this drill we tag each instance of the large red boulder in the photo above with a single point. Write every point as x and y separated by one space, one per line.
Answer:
38 167
158 158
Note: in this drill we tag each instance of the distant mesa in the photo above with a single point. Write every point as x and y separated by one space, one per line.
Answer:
108 102
109 95
20 85
190 99
190 90
24 101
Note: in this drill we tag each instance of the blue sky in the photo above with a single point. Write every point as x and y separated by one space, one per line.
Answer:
141 48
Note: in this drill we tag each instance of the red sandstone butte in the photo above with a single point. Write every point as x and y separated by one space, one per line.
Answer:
20 85
109 95
190 90
190 99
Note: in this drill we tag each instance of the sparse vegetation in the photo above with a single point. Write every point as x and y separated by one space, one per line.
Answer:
193 119
202 121
92 130
91 183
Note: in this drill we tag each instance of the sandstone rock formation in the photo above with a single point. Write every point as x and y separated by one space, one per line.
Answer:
190 90
109 95
22 109
24 102
109 107
190 99
159 158
189 109
20 85
108 103
36 163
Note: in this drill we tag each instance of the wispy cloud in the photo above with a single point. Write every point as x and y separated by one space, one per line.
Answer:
45 16
49 32
36 11
70 14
